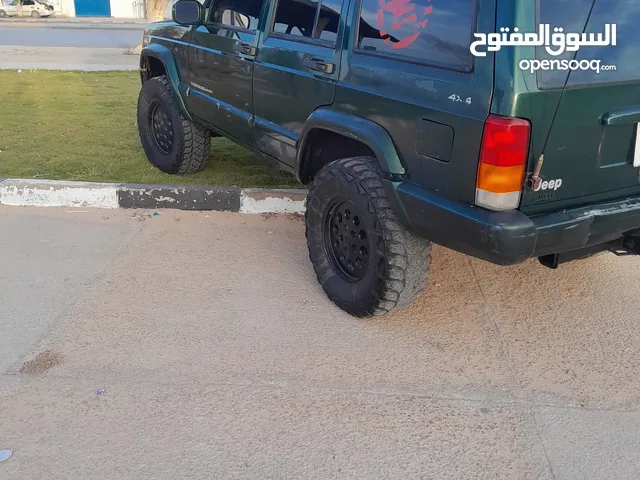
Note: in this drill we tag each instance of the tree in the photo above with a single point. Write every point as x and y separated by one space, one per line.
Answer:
155 12
155 9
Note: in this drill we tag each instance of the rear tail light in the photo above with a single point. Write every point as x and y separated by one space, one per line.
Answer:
503 161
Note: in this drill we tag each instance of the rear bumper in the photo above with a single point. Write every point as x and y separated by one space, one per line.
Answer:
507 238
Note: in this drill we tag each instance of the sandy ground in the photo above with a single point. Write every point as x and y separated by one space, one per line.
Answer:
199 345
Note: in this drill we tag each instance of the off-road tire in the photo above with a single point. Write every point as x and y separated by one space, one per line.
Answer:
398 261
191 142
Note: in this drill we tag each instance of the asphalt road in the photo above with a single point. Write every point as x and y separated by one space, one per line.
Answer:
59 45
199 345
70 35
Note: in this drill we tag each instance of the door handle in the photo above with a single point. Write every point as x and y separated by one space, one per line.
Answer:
318 65
245 48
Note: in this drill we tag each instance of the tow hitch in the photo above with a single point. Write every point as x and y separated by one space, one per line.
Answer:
630 246
627 245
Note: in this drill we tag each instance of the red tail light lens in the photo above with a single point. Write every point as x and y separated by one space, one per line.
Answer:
505 142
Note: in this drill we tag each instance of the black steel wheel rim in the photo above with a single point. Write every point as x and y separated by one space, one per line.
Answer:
161 127
346 241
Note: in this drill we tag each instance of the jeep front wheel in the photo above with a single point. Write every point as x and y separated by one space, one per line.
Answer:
366 261
171 142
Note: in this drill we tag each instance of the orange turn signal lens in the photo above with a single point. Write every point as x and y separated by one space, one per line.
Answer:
500 179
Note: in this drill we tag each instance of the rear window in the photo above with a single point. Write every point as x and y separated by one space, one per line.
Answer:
435 32
573 16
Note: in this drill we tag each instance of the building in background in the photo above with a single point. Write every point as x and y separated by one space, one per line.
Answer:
99 8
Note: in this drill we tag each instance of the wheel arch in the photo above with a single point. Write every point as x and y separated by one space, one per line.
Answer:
360 137
156 60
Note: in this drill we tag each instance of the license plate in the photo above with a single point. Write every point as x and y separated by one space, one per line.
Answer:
636 156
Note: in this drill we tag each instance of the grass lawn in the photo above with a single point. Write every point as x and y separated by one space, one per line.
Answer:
82 126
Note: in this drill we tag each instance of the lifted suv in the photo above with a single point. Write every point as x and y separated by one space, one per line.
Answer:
409 129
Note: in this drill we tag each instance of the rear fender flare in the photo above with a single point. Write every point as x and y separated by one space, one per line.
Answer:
360 129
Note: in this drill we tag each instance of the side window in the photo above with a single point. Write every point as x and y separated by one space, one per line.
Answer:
328 18
313 19
436 32
295 18
243 14
28 2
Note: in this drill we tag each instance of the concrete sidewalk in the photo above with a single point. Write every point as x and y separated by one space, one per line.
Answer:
67 58
200 345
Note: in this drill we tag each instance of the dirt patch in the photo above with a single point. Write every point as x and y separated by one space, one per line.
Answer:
44 361
298 217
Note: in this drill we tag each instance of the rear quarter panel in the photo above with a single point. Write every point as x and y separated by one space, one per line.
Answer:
437 138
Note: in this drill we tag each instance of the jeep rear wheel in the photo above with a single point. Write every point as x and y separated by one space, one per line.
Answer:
364 258
171 142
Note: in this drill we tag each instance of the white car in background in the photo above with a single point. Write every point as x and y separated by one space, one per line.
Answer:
30 8
9 9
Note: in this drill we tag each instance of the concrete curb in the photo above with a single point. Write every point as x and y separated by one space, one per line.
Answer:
54 193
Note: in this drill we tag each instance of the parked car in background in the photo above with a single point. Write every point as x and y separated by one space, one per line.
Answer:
9 9
36 8
30 8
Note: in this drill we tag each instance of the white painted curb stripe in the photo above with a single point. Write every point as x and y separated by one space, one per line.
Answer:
51 193
55 193
270 204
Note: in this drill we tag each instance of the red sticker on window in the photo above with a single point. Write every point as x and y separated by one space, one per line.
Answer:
404 13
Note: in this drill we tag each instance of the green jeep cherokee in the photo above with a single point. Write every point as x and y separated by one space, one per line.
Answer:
503 129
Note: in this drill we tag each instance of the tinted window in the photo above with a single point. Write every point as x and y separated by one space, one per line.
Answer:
570 15
437 32
295 17
327 26
625 55
237 13
308 18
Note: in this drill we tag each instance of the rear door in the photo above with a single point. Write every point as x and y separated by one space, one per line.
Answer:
593 147
296 71
27 7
